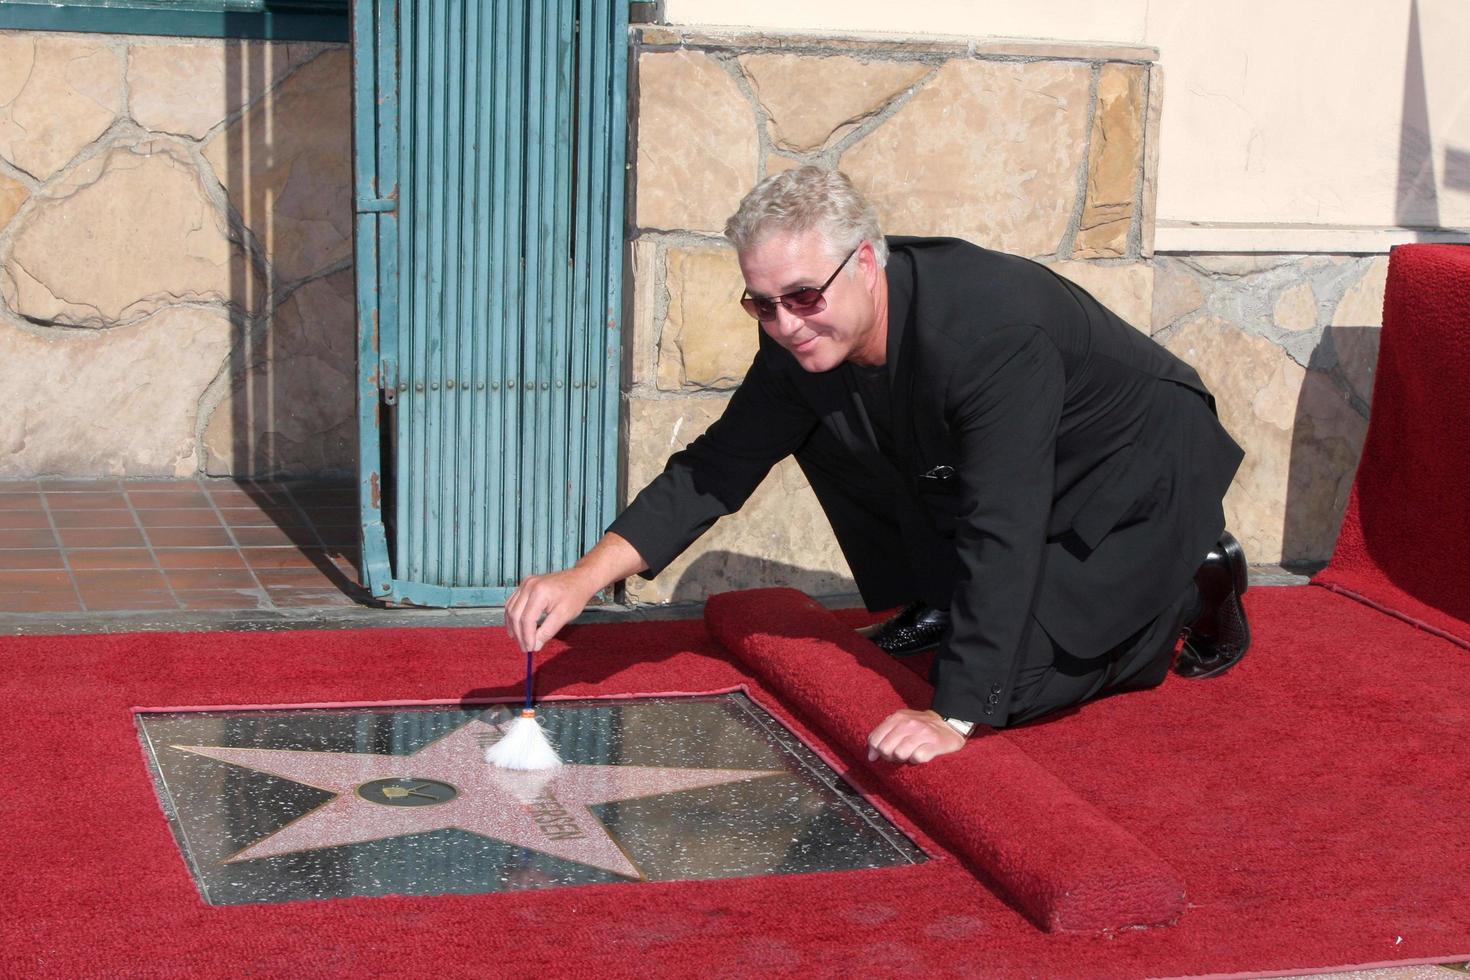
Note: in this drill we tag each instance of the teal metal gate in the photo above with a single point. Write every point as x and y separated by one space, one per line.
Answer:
489 140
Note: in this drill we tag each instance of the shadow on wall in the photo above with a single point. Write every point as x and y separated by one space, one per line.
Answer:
1323 463
1327 440
285 163
1416 199
724 571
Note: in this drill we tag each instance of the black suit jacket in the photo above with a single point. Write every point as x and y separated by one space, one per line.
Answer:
1076 466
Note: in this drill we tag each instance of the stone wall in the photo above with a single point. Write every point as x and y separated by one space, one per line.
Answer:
1288 344
176 293
1039 149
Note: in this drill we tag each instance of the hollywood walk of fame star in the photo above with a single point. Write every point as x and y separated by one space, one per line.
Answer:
380 796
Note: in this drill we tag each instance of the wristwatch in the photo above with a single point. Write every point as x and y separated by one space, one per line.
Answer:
963 727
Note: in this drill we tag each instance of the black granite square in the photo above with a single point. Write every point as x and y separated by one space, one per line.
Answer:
273 805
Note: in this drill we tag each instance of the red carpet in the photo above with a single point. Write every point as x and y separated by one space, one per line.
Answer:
1312 803
1063 863
1402 546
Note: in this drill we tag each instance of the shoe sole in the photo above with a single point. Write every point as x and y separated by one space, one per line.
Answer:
912 653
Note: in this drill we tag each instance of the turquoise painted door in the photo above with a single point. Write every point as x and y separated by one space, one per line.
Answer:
489 143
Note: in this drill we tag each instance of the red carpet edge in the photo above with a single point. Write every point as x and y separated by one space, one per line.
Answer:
1064 864
1328 580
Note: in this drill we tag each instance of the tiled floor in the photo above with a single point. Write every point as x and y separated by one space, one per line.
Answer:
102 546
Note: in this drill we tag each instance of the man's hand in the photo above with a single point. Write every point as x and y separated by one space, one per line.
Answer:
542 604
913 736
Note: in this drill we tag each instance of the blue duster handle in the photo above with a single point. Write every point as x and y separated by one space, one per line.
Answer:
528 680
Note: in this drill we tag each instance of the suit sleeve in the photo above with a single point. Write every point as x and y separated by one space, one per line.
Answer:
1003 404
764 422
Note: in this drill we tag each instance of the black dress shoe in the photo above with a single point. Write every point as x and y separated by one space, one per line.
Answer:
917 628
1219 635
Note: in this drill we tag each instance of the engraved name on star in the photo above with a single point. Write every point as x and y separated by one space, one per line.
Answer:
540 811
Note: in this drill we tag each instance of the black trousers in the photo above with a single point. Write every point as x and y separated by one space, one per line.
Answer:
897 557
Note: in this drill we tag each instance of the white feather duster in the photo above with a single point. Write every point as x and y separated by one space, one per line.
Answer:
524 746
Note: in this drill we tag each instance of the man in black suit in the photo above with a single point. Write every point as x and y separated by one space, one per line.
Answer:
1038 483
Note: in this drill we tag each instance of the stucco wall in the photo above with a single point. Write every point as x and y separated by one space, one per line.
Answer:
1338 115
176 291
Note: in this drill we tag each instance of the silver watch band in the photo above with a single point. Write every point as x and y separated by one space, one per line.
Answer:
963 727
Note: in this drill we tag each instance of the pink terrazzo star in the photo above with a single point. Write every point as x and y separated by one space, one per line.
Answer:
542 811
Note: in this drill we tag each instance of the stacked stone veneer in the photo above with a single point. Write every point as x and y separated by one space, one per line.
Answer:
1288 344
176 293
1041 150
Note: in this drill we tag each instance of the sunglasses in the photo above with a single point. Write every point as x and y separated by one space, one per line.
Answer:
801 302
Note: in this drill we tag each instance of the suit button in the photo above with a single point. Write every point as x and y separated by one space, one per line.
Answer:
989 710
994 699
995 689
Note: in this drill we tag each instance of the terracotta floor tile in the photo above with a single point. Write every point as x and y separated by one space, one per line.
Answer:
238 496
189 537
340 537
237 500
101 537
334 516
210 578
79 485
107 600
89 500
93 518
297 578
40 602
256 517
285 557
349 566
35 580
94 559
219 599
129 580
36 538
167 485
18 520
20 501
330 513
273 536
165 499
178 517
172 558
17 559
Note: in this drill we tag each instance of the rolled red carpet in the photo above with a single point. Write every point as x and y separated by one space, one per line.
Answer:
1402 545
1056 856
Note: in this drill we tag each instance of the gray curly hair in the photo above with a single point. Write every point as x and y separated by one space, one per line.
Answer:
803 199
